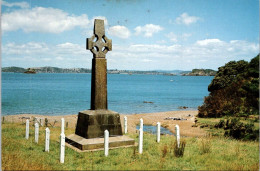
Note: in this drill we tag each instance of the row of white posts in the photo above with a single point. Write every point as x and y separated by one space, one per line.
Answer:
106 137
140 147
47 138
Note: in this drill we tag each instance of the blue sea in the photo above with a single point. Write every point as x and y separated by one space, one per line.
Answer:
61 94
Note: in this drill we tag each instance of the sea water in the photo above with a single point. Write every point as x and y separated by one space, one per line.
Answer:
61 94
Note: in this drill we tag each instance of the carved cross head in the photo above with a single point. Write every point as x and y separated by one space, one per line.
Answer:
99 44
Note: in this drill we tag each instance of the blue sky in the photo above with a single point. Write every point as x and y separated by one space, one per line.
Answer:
146 34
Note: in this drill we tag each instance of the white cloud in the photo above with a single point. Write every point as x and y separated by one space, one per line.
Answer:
119 31
207 42
39 19
186 19
208 53
172 37
148 30
16 4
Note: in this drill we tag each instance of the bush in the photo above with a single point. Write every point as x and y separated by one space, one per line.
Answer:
179 151
234 91
238 130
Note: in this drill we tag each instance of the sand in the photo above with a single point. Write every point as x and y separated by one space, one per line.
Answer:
186 128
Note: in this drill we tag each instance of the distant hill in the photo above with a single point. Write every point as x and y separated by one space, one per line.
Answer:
13 69
201 72
48 69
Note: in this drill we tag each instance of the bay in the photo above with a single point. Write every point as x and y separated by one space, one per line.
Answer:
62 94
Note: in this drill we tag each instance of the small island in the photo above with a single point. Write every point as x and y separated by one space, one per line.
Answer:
30 71
200 72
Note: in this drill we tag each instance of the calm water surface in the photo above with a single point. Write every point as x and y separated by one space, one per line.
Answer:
59 94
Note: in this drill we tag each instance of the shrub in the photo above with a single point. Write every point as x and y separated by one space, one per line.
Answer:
234 91
179 151
238 130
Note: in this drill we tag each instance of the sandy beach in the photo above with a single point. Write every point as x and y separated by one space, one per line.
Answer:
186 128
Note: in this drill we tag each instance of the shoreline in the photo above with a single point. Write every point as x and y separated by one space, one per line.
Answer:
186 128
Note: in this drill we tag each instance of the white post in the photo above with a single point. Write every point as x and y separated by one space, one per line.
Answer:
177 131
106 142
27 129
36 136
125 124
140 141
62 125
158 131
62 147
141 124
47 139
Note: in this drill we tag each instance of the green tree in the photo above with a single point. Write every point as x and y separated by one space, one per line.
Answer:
233 91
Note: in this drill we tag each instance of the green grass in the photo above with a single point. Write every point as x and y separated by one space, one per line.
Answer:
224 154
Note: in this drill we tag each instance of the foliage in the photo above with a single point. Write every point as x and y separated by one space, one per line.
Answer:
179 151
236 129
233 91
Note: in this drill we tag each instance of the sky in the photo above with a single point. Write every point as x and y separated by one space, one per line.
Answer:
146 34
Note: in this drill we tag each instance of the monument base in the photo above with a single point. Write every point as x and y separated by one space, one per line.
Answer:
89 133
93 123
81 144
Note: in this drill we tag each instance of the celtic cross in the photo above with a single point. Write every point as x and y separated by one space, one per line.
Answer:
102 45
99 48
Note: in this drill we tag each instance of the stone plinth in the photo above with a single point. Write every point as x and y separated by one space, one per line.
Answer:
89 134
93 123
94 144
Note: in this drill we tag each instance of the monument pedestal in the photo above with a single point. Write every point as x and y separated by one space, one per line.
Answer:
81 144
89 134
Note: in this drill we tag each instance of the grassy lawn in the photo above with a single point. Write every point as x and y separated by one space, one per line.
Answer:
209 153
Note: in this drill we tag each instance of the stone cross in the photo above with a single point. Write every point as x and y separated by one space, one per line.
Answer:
140 147
47 139
125 124
36 136
62 147
106 142
158 131
177 131
27 129
99 48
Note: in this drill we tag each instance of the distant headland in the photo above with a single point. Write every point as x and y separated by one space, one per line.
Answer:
48 69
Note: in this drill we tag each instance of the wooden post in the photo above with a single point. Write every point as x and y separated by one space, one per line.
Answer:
125 124
106 142
158 131
140 141
27 129
62 125
62 147
141 124
177 131
47 139
36 136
